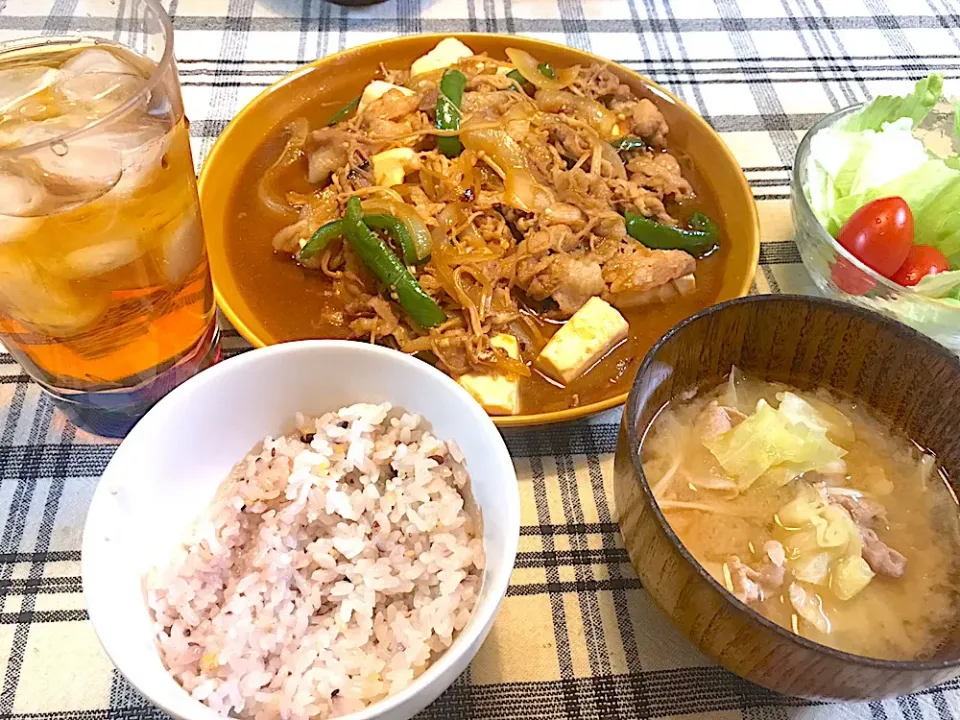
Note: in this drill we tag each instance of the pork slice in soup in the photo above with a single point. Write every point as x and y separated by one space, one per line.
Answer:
813 512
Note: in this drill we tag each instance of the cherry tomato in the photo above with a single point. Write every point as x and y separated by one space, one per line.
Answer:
851 279
922 260
880 234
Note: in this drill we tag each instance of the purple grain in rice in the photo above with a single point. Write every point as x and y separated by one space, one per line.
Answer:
325 575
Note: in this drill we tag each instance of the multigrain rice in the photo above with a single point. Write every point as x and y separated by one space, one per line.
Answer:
334 565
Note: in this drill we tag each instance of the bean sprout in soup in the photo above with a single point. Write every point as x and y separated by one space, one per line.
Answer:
813 512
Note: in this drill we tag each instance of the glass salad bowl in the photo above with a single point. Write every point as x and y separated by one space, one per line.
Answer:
829 263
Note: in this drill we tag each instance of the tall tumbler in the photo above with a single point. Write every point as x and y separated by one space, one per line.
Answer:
105 293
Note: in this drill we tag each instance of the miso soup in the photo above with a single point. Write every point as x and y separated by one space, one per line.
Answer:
813 512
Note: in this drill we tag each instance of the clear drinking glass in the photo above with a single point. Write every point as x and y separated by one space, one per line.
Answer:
105 293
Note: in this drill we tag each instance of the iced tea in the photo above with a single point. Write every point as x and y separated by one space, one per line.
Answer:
105 294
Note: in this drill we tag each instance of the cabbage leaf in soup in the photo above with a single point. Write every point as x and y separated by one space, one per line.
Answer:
791 439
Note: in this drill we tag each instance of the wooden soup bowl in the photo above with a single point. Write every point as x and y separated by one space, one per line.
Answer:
808 342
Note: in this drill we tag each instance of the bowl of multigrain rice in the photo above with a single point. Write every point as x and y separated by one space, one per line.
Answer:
316 529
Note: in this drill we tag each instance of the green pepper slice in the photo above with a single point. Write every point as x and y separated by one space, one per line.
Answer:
374 253
329 232
398 231
452 85
698 242
344 112
702 222
516 77
546 69
628 143
324 235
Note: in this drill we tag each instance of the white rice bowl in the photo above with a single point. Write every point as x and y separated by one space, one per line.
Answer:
334 565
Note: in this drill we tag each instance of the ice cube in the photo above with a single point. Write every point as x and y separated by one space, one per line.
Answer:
16 228
97 258
11 132
73 171
182 248
84 168
45 302
97 60
121 157
98 81
20 196
19 83
98 93
141 147
19 134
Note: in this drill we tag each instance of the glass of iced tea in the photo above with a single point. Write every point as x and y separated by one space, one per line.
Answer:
105 293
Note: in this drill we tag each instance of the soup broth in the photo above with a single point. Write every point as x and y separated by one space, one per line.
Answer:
813 512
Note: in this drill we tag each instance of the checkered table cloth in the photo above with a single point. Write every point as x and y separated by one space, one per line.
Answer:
576 637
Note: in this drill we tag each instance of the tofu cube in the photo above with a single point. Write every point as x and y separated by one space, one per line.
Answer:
391 166
499 394
686 285
445 54
376 90
593 331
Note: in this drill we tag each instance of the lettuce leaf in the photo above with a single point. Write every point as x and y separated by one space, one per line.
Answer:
936 220
767 440
888 108
941 285
849 169
920 187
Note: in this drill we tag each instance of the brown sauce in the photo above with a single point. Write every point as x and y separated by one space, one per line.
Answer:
291 301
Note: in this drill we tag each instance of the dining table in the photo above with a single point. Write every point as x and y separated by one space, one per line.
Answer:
576 638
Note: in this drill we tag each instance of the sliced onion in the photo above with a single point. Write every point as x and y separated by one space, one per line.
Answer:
438 236
529 67
449 218
388 193
585 109
516 121
292 152
521 189
415 225
610 154
467 161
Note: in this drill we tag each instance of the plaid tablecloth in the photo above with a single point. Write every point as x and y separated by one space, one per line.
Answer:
576 637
